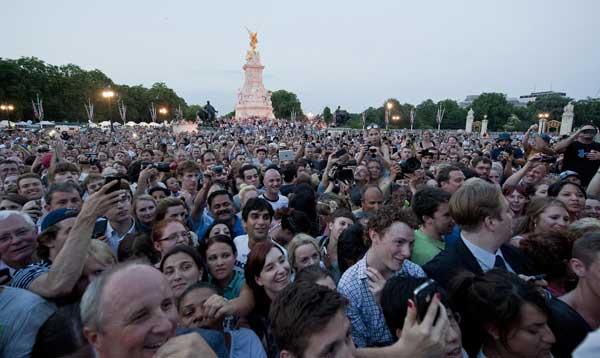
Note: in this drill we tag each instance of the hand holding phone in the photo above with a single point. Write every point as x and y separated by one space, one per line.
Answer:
423 295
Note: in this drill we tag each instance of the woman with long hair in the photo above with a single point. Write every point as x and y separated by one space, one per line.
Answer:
542 215
572 195
144 212
267 272
504 316
183 267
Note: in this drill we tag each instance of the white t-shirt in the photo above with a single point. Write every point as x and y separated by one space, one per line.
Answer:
281 202
241 246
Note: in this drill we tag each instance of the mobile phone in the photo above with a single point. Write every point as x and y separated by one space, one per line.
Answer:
113 188
286 155
423 296
4 276
340 152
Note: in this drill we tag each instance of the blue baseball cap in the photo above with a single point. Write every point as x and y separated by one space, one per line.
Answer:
56 216
568 173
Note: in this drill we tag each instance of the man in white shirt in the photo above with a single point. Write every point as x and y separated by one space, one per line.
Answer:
272 184
256 219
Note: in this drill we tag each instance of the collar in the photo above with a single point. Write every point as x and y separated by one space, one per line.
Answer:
428 239
110 231
485 258
362 268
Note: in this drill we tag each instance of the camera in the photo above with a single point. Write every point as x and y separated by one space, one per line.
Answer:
344 171
408 166
218 169
163 167
547 159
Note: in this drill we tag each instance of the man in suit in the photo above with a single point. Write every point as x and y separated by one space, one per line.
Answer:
483 215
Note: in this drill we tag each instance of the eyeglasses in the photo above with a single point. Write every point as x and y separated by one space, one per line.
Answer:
178 237
372 126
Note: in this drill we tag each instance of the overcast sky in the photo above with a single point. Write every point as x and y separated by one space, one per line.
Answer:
352 53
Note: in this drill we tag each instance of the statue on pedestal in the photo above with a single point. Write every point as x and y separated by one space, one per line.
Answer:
566 123
470 117
253 100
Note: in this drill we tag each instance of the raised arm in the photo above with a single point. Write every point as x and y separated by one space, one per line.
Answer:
563 144
516 177
68 264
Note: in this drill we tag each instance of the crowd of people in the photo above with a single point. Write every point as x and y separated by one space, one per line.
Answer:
280 239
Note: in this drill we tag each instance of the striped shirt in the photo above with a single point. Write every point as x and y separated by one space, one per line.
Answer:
25 276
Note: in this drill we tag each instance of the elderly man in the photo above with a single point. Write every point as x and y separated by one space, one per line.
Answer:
130 311
17 240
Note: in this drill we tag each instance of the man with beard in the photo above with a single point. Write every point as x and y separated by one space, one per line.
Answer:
220 207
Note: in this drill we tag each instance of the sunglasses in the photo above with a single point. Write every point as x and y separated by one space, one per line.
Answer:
589 131
372 126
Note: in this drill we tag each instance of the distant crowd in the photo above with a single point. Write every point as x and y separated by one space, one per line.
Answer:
282 239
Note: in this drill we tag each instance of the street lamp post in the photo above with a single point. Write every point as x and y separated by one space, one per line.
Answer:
7 108
396 118
109 94
163 111
387 114
542 122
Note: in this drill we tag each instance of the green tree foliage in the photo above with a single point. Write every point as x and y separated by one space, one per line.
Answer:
586 111
327 116
552 104
65 89
425 116
454 116
495 106
284 103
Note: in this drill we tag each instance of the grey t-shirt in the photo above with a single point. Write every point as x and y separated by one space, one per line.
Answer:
22 313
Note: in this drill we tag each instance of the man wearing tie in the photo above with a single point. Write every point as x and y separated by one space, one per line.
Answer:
483 215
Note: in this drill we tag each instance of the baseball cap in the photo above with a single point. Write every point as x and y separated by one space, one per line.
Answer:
568 173
56 216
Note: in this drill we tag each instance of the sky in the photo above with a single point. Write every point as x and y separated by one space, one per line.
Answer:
351 53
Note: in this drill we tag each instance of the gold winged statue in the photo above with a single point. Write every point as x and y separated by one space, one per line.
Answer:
253 39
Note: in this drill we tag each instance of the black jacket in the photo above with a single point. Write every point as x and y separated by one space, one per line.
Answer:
454 259
444 267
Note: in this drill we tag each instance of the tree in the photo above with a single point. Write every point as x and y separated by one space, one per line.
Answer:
327 116
64 90
552 104
587 111
495 106
454 116
284 103
425 117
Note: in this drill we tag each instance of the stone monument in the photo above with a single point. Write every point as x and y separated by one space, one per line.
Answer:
484 125
566 123
470 117
253 100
